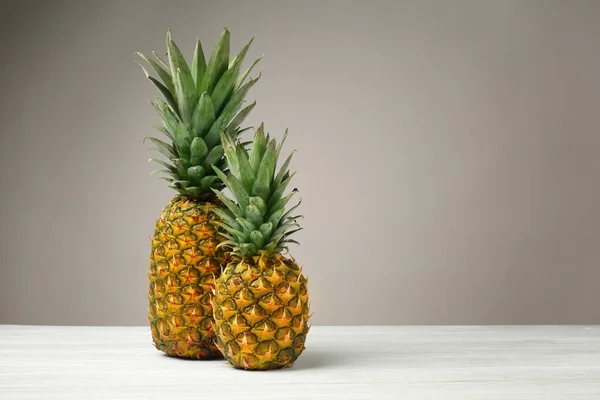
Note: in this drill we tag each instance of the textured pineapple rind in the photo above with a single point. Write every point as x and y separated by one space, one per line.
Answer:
184 263
261 312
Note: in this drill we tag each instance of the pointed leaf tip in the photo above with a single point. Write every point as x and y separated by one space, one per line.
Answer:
143 69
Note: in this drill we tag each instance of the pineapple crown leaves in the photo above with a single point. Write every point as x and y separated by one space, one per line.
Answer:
201 101
255 220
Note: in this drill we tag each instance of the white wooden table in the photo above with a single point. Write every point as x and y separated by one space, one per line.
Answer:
459 363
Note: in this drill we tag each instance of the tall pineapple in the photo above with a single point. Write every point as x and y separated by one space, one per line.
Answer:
201 102
261 300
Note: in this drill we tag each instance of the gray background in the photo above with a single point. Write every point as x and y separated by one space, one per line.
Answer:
448 154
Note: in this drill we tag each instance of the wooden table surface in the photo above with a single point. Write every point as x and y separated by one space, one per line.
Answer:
385 362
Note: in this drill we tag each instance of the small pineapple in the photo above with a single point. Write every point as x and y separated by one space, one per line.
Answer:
261 300
200 103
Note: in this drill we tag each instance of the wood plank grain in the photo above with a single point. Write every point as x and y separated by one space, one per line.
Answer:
433 362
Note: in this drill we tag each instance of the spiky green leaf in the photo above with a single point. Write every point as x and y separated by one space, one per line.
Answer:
289 233
275 216
285 229
198 66
207 183
281 203
232 128
176 59
235 186
280 145
240 131
213 157
204 115
266 229
161 61
278 189
290 240
245 74
195 174
164 171
182 167
182 183
226 84
259 203
194 191
234 208
166 149
183 140
163 130
284 169
253 214
257 238
265 173
198 151
246 225
227 217
165 76
248 248
223 90
169 118
247 175
259 146
168 166
230 110
187 97
165 92
232 232
229 148
218 63
290 211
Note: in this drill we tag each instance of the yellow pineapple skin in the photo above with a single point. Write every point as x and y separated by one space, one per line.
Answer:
261 312
184 263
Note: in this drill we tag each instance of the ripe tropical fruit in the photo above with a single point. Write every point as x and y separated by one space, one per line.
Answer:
261 299
201 102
